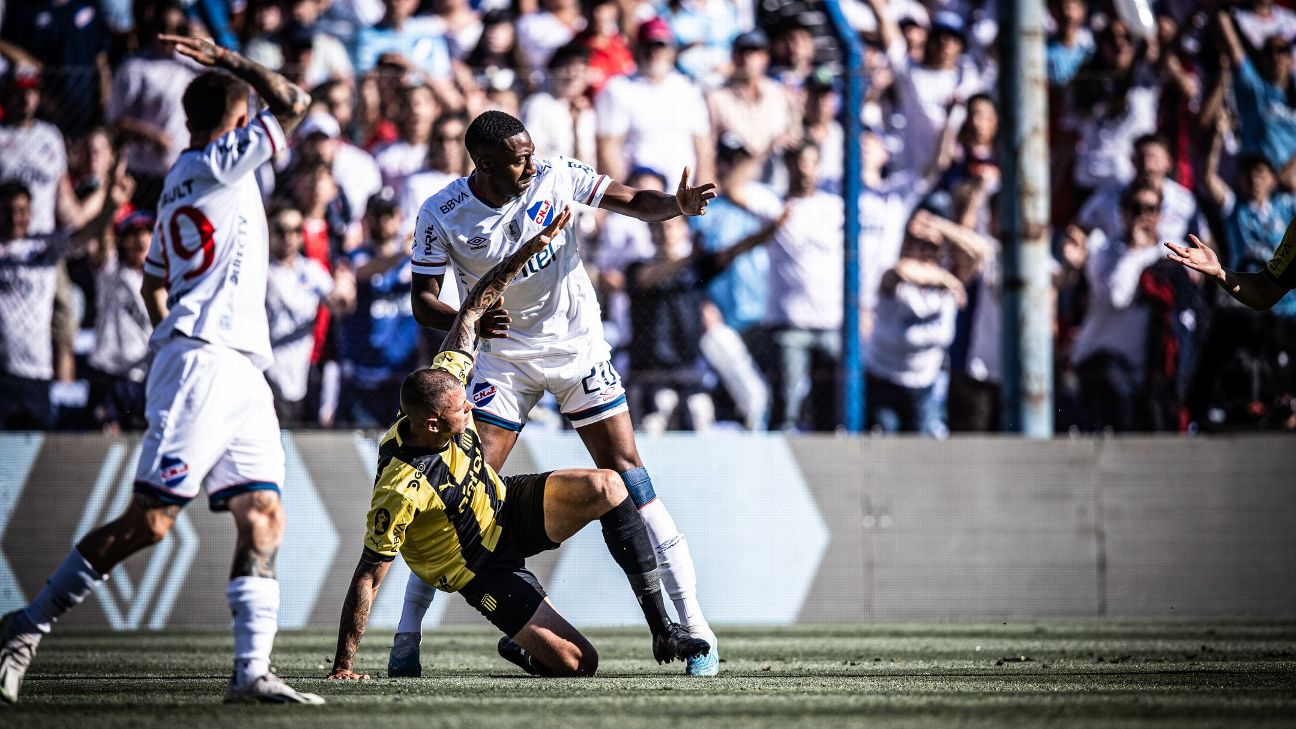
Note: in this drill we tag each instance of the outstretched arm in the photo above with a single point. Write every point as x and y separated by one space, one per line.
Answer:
489 290
368 575
286 100
651 206
1257 290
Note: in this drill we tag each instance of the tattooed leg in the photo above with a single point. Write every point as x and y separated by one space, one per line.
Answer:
146 521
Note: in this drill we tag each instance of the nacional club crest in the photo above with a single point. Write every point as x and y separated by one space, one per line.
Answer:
542 212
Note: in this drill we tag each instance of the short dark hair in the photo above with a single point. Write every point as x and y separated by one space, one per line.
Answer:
793 151
1147 139
571 53
491 130
1135 187
1248 162
209 98
10 189
424 390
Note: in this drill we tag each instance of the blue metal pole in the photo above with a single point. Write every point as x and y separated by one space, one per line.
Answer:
852 102
1027 294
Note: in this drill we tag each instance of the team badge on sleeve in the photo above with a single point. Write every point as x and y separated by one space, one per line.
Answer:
513 231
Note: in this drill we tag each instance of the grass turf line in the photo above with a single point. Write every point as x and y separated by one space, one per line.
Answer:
1034 673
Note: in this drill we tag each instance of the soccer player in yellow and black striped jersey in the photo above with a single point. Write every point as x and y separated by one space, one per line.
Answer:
462 528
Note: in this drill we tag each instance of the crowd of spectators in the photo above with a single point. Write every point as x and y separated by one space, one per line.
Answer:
1180 122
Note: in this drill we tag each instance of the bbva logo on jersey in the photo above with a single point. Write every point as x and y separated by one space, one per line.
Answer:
542 212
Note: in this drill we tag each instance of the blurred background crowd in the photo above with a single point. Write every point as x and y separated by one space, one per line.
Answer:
1161 125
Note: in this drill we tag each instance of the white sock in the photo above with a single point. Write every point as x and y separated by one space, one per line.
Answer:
418 598
66 588
254 602
676 566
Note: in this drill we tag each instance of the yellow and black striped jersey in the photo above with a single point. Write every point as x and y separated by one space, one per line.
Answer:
1283 265
439 509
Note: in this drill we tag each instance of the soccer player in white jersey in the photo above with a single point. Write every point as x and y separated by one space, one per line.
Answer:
555 332
211 415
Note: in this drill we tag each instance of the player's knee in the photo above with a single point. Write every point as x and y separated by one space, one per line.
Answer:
156 527
608 488
578 661
261 515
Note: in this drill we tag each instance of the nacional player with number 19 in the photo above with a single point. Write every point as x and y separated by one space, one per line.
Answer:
211 415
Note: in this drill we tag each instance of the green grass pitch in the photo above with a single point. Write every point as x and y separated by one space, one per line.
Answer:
1031 673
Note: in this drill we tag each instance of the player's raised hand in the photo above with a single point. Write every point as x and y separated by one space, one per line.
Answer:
693 200
1199 257
343 674
203 50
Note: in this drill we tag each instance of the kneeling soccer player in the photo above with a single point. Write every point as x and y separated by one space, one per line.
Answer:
463 529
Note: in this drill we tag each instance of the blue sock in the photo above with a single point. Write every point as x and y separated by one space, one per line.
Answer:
639 484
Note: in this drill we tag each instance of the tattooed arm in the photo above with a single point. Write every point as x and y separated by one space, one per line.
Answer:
287 101
369 574
489 290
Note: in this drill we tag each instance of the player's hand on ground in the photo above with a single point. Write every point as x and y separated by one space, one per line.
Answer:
203 50
1199 257
693 200
343 674
495 322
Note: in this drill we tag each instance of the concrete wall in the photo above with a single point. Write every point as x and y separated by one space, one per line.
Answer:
797 529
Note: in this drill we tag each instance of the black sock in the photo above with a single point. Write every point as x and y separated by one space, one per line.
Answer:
627 540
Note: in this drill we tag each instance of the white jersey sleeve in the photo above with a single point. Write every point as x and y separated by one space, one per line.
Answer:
246 148
430 248
587 186
155 263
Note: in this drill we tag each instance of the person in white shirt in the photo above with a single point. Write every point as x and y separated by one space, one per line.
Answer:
120 360
320 138
407 155
1262 19
911 336
1152 165
555 337
145 106
804 309
541 33
295 288
446 162
656 118
211 415
932 93
29 272
33 152
1110 351
560 118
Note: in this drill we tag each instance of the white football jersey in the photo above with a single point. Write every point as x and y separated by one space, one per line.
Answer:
552 301
211 244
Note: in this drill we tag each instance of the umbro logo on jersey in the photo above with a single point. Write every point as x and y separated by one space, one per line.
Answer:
542 212
478 243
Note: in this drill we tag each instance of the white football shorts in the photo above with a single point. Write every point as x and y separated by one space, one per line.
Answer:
211 423
586 385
